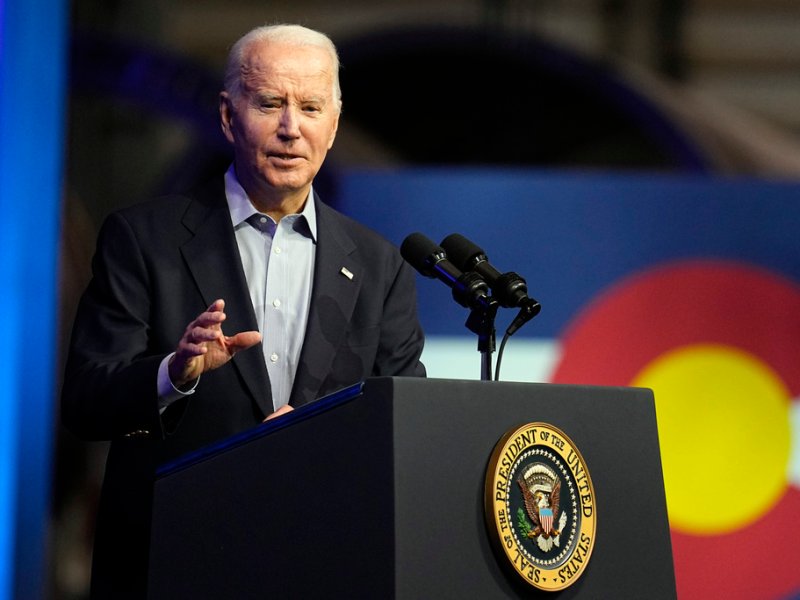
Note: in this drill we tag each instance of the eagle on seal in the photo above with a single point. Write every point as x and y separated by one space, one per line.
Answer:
541 492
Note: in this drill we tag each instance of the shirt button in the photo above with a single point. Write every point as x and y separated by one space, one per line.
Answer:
276 303
273 357
278 250
263 219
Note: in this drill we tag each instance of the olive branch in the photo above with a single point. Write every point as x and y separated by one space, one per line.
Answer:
523 524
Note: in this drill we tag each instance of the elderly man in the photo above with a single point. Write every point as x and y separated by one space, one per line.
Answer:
300 299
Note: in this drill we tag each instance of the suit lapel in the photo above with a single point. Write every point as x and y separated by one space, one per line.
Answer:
337 280
212 257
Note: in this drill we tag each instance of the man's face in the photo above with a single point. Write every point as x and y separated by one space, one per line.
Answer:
284 121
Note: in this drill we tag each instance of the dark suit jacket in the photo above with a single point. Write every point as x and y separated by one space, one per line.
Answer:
157 266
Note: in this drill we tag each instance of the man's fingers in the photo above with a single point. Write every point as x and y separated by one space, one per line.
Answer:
281 411
242 341
189 350
209 319
202 334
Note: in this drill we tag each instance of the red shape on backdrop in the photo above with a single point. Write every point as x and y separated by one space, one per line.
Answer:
632 323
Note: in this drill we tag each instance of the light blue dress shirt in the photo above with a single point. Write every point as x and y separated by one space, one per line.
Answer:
278 260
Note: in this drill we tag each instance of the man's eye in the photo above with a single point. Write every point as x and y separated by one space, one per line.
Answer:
265 102
312 108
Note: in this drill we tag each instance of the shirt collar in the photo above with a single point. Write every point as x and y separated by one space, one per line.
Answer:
241 208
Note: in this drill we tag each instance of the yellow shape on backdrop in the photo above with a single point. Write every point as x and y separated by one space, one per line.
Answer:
725 436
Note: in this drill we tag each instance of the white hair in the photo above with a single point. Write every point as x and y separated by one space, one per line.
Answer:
284 34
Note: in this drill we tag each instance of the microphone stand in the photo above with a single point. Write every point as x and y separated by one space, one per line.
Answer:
469 290
481 322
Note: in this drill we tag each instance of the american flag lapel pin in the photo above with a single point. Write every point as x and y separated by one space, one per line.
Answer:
346 272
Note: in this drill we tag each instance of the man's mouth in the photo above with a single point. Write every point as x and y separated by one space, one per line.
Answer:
284 157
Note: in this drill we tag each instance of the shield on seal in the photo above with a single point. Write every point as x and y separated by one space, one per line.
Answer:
546 519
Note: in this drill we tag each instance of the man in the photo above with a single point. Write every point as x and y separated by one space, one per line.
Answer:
301 300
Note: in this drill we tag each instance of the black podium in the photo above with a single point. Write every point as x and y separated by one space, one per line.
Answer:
378 492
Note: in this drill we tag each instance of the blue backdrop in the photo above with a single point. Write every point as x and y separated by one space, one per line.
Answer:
572 234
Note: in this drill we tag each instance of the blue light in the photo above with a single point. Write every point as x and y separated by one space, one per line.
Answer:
32 84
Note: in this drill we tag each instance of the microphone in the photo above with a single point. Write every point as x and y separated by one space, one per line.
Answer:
469 289
509 289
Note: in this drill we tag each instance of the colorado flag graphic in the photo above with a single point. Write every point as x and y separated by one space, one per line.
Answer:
686 285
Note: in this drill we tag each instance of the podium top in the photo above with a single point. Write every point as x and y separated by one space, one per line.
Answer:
267 427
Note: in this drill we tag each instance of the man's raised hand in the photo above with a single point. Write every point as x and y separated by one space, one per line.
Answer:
204 347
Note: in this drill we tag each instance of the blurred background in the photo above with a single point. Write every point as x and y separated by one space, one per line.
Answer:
610 151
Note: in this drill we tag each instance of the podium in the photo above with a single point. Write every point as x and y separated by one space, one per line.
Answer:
378 492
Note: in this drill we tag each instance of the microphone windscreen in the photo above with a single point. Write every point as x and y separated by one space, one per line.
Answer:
461 251
417 250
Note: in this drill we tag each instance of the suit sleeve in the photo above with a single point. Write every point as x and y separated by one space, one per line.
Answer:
110 377
401 340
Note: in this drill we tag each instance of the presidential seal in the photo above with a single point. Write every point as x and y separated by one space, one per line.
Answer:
540 506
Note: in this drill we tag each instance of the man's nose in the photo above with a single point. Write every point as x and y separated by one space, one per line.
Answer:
289 127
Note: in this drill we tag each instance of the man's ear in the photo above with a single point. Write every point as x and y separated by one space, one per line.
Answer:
333 131
226 113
